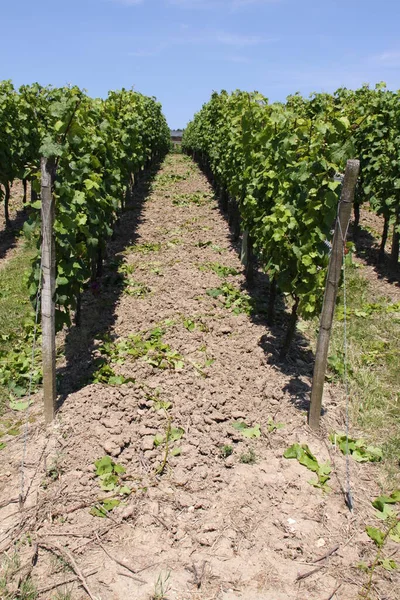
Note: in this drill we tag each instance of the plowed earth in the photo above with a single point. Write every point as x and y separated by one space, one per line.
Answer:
207 526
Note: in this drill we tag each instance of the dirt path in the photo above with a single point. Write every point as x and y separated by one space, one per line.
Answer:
228 517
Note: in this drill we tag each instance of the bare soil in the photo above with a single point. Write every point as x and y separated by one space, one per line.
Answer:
207 527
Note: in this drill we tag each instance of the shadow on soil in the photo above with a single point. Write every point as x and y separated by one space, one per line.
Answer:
99 302
299 362
367 248
9 236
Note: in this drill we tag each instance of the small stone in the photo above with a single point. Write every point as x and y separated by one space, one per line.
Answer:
218 417
238 414
320 543
148 442
127 512
109 447
229 462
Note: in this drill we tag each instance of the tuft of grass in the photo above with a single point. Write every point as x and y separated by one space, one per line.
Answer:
15 306
248 458
63 595
373 340
161 587
9 568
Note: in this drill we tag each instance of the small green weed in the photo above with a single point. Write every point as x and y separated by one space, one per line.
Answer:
147 345
221 270
306 458
359 449
172 434
194 323
232 298
246 430
161 587
273 426
248 458
63 595
226 451
16 365
211 245
196 198
106 374
135 288
9 569
386 513
109 474
145 248
126 268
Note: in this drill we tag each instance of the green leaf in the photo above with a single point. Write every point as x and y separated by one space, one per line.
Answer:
376 535
176 433
119 469
388 564
18 405
158 440
104 465
252 432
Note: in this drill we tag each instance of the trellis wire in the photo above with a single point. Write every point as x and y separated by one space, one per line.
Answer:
348 494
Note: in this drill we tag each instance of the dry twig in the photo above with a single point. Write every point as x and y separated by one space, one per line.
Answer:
70 559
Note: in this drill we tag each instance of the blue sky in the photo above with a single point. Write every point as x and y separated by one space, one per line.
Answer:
182 50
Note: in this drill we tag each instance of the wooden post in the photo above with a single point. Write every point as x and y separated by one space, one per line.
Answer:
48 290
332 284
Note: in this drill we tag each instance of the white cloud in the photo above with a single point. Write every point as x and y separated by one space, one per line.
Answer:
388 59
207 37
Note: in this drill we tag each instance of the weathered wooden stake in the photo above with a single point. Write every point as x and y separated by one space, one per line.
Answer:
48 290
332 284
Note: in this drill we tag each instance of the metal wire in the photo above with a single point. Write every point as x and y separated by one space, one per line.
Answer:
349 496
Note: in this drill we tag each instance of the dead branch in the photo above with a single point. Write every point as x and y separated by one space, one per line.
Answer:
309 573
334 592
327 554
71 579
131 577
55 549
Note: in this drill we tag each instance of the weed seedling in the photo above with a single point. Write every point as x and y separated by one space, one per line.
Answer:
226 451
273 426
358 449
221 270
246 430
109 474
161 587
249 458
172 434
232 298
306 458
391 530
